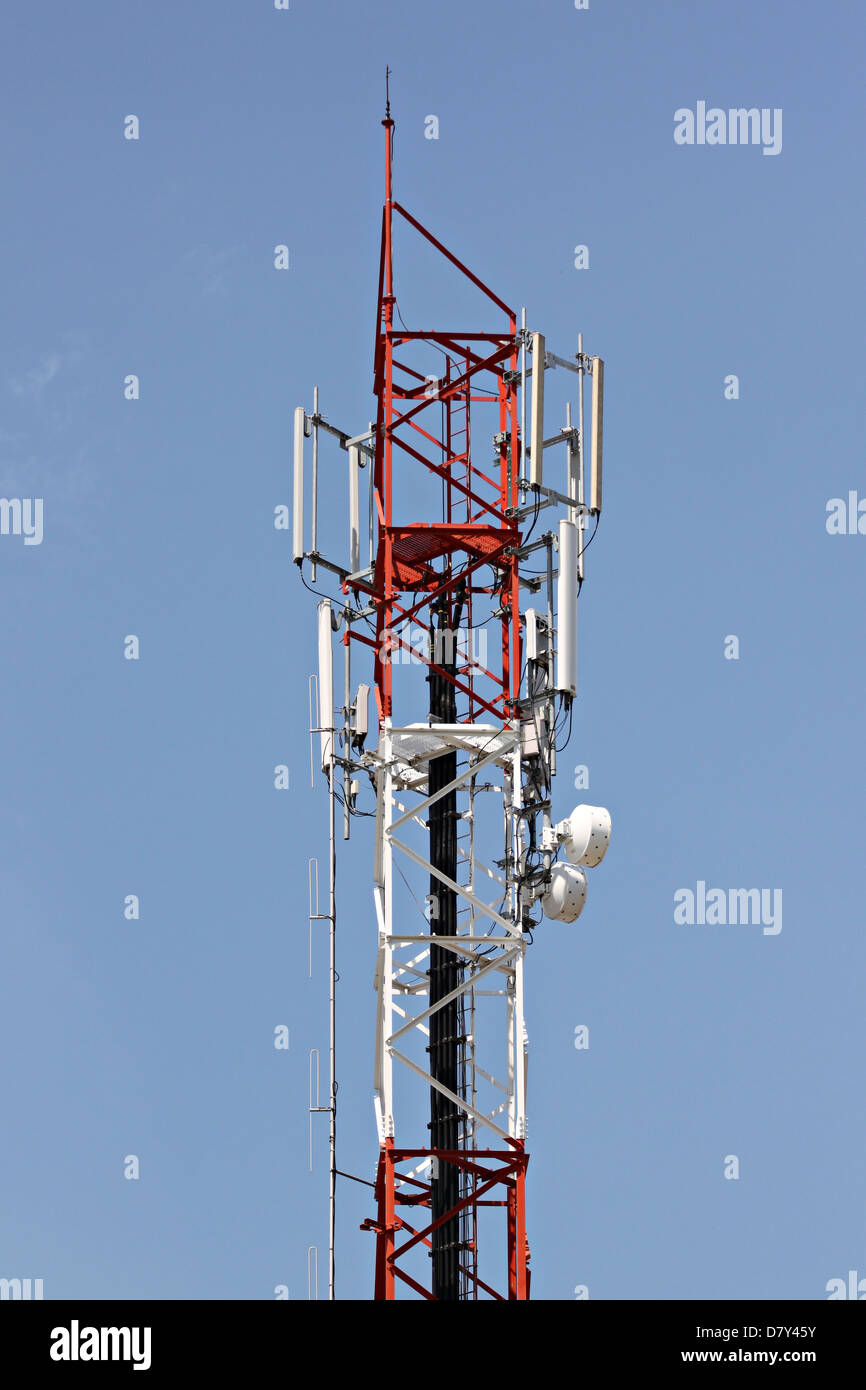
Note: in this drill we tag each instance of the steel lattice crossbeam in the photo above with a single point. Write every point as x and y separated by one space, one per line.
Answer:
489 946
496 1178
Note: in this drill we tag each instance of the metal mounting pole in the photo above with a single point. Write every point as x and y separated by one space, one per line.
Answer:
522 394
332 1021
580 456
315 507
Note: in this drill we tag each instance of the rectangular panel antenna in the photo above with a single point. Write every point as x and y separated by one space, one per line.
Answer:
532 652
597 433
298 489
566 610
354 510
537 445
326 681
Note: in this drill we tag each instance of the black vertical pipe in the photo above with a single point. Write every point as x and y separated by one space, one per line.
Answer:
444 976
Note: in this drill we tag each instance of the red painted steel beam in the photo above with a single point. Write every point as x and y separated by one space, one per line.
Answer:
508 1174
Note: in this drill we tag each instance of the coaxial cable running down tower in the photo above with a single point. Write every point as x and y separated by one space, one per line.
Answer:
467 854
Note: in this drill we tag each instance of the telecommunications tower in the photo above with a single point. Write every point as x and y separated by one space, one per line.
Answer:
460 607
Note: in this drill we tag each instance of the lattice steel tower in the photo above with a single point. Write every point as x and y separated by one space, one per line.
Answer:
466 849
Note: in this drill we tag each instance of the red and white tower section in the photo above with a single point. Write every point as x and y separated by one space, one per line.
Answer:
456 603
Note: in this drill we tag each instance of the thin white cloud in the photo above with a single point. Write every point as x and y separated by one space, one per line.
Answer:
34 381
212 266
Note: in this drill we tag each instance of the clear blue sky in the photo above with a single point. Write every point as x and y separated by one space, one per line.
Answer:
155 777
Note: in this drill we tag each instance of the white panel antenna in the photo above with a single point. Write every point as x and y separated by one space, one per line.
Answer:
533 647
535 462
326 682
597 434
354 510
566 610
298 489
361 722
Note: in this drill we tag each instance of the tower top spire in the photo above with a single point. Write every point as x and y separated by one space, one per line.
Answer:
387 95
